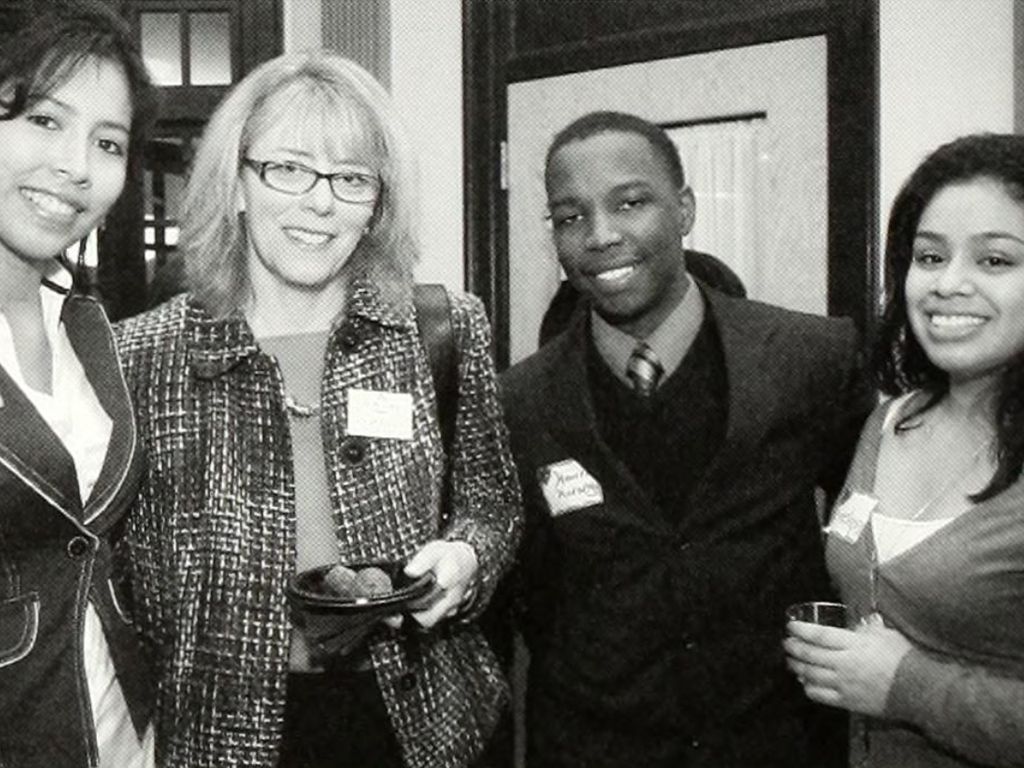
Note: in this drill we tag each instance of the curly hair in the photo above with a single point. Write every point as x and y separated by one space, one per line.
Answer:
900 360
43 45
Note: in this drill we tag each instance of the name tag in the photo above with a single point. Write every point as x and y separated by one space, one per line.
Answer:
379 414
851 516
567 486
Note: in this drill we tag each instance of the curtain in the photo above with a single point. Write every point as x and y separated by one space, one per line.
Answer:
720 161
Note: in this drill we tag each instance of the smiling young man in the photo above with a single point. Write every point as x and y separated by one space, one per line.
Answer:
669 444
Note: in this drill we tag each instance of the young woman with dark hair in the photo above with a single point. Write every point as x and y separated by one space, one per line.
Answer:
927 542
74 683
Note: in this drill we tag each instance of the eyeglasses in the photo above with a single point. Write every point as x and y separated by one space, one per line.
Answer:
350 185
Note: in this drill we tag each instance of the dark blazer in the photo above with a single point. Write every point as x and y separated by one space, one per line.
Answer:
625 609
56 555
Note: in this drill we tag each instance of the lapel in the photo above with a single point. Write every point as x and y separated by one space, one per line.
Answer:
747 348
33 454
572 423
89 333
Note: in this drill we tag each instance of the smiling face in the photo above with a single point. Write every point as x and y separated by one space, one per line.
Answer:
304 240
618 223
965 285
62 164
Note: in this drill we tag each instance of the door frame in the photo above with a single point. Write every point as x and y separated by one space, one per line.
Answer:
851 30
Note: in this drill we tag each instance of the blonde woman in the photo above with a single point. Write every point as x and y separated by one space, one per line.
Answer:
288 409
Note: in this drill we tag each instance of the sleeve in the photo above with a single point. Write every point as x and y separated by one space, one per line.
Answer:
148 345
529 587
486 505
849 406
969 710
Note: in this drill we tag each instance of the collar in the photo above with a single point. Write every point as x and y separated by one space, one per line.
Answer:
670 341
219 344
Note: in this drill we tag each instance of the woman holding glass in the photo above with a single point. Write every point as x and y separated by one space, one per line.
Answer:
74 683
927 542
288 411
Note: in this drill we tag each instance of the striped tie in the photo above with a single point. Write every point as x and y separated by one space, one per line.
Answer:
644 370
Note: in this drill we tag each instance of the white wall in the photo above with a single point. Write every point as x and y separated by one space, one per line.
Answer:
426 81
301 24
946 69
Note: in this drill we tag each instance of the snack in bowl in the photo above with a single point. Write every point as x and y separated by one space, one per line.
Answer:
366 582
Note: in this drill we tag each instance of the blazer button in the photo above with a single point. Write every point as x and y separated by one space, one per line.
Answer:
348 339
354 451
78 547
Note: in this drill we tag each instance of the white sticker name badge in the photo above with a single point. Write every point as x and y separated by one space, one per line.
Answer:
379 414
567 486
851 516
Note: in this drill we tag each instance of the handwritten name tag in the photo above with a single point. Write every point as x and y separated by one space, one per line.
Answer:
567 486
379 414
851 516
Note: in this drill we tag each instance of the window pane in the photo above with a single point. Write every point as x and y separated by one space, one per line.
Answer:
209 48
161 47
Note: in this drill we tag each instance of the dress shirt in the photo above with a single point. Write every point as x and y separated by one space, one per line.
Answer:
670 341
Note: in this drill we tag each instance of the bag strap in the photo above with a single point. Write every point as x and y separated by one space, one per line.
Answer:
434 323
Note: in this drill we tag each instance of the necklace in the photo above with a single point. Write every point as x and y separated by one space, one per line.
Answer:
300 410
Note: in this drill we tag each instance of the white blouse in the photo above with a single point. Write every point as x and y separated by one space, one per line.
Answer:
895 535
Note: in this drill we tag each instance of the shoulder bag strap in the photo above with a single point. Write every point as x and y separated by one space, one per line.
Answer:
434 323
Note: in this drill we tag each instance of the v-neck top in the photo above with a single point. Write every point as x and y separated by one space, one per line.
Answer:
957 595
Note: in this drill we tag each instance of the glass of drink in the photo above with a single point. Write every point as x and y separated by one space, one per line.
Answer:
817 612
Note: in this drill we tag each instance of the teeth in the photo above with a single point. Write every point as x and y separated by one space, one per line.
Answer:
306 237
49 204
956 321
616 274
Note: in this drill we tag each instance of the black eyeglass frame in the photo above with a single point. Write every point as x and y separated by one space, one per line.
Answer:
261 166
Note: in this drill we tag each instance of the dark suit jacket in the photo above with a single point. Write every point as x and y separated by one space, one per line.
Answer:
56 555
655 643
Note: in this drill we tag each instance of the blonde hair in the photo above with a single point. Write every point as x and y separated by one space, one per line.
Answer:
349 101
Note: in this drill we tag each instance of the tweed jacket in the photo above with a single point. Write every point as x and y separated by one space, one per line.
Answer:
56 556
213 537
655 635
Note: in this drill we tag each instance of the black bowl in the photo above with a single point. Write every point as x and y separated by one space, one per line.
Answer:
335 626
306 591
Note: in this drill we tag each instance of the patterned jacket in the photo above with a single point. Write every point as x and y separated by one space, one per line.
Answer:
213 537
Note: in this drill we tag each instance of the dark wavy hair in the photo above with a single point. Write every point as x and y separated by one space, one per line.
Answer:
594 123
43 45
900 361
